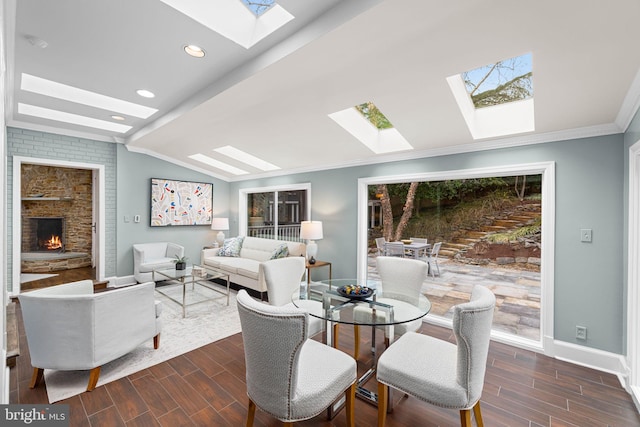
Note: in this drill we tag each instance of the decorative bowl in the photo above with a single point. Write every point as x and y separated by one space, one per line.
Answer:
355 291
407 241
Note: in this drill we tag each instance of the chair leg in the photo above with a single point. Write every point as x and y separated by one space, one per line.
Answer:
383 396
251 413
351 405
356 341
478 414
465 417
156 342
38 373
93 378
336 330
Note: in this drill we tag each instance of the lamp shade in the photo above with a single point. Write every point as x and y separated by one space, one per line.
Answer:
220 224
311 230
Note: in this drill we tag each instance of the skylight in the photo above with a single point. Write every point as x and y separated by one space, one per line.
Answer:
372 128
505 81
246 158
497 99
218 164
80 96
258 7
234 19
61 116
375 116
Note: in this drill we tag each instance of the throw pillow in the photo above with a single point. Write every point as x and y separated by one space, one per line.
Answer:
281 251
231 247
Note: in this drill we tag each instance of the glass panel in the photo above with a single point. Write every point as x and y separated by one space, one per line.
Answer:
260 221
292 208
259 7
490 229
505 81
276 215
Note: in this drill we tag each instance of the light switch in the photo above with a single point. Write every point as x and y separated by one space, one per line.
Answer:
136 218
585 235
127 218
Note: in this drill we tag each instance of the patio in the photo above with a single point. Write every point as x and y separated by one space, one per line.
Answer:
517 293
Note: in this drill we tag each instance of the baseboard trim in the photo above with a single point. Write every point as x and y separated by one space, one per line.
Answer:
593 358
577 354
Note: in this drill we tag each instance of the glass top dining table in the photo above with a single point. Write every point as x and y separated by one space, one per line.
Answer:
377 310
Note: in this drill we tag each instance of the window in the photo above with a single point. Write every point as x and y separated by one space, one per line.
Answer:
274 212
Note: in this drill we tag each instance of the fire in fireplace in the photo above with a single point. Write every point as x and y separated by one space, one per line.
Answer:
47 234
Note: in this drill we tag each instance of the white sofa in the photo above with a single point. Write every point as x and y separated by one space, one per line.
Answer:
69 327
245 270
154 256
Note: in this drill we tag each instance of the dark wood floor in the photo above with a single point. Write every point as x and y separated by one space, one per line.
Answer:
62 276
206 387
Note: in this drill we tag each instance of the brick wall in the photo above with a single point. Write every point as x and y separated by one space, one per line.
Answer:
43 145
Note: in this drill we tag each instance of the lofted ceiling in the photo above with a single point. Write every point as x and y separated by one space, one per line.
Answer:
273 99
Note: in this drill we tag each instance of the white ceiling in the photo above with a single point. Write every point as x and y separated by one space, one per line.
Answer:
273 99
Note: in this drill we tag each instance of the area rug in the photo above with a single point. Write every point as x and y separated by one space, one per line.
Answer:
206 322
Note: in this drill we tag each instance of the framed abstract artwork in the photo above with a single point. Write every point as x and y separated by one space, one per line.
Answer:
180 202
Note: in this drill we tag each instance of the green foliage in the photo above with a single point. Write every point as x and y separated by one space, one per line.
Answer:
514 235
375 116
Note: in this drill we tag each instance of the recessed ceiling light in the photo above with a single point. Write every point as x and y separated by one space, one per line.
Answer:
119 118
80 96
145 93
195 51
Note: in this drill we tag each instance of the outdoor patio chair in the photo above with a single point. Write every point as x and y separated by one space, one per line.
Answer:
380 242
432 259
394 249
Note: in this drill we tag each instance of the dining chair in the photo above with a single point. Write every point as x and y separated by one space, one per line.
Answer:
380 242
289 376
283 277
432 258
400 285
439 372
395 249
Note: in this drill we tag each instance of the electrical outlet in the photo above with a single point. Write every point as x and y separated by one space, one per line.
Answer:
585 235
581 332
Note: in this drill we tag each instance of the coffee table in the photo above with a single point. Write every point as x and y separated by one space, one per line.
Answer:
196 275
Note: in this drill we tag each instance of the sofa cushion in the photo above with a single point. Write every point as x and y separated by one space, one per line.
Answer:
243 266
231 247
281 251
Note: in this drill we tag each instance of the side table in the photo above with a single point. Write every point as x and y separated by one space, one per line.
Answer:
316 265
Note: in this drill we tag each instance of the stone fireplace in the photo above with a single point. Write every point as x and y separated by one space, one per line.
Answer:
56 218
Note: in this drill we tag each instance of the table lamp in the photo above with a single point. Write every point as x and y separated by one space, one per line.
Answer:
220 225
311 230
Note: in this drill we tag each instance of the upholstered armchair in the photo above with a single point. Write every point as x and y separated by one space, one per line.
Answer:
437 371
401 280
154 256
289 376
71 328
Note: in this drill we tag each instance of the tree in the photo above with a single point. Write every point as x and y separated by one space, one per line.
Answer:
502 82
387 212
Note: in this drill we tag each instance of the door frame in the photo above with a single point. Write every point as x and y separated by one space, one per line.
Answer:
99 213
547 170
633 275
